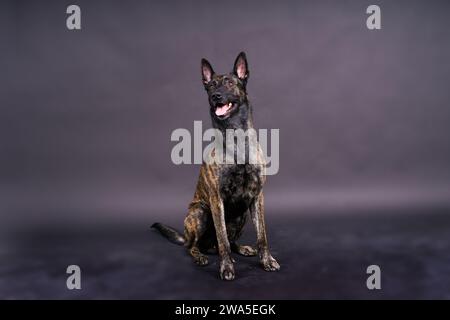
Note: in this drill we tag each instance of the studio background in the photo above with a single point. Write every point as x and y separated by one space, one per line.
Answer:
86 119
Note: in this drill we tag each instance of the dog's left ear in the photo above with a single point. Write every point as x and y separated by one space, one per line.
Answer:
241 67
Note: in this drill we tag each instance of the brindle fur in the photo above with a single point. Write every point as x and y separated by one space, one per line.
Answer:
225 193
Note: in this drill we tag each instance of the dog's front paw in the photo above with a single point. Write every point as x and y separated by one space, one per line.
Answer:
226 270
270 264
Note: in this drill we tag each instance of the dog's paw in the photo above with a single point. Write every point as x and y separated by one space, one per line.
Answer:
201 260
226 271
247 251
270 264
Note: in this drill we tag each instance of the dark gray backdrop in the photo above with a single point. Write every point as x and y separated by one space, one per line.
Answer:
86 116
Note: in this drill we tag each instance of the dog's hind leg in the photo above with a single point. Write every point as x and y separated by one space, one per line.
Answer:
235 229
199 258
247 251
194 230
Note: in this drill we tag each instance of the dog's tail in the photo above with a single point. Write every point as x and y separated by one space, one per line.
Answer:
170 233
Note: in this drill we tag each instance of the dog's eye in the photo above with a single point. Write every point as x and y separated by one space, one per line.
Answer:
214 83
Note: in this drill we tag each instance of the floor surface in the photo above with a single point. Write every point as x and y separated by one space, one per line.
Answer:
322 256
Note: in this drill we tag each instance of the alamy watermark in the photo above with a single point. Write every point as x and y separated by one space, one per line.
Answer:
236 146
74 280
374 280
373 21
73 21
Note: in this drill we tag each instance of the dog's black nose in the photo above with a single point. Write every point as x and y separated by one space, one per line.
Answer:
216 97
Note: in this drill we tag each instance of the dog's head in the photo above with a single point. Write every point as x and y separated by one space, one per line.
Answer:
226 92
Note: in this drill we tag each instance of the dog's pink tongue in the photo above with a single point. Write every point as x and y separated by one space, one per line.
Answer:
220 111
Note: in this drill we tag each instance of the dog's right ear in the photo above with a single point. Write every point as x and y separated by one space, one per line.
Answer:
207 71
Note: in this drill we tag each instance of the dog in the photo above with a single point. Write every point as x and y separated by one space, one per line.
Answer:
226 193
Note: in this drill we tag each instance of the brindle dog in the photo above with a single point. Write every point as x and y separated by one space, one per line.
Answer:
226 192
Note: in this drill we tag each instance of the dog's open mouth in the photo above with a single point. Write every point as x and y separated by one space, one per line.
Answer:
223 110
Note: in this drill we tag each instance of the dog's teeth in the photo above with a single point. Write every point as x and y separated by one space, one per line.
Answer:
229 104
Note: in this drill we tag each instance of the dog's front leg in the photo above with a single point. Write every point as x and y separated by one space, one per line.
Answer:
226 263
257 212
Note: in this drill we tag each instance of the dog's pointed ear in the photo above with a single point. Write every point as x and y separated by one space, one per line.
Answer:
207 71
241 67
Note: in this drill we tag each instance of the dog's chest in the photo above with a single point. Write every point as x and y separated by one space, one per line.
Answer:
240 184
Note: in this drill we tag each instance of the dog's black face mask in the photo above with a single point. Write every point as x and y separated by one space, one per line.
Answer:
227 92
